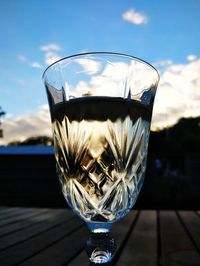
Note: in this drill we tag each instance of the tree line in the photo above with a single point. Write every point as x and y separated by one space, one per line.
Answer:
182 137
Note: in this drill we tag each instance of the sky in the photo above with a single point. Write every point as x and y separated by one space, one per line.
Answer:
36 33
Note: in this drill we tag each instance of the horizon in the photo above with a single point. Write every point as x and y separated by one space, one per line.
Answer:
43 32
20 142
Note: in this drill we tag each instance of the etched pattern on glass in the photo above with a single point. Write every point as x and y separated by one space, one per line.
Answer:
101 164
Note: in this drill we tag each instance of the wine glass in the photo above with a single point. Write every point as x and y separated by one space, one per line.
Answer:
101 107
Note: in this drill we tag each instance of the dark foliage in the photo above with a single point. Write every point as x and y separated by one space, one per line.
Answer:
183 137
40 140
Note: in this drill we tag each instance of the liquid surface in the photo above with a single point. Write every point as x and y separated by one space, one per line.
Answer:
101 148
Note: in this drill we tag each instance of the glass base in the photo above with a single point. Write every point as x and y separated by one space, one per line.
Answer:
99 256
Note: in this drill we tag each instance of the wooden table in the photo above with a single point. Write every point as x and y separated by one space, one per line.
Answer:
48 237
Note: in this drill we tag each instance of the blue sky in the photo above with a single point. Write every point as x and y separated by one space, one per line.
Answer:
164 33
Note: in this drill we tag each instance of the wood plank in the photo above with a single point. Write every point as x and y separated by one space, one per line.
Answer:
122 227
62 251
27 249
119 233
5 210
176 247
51 220
37 216
192 222
80 259
13 213
21 214
141 247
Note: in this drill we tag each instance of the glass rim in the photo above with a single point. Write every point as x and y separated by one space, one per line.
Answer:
103 53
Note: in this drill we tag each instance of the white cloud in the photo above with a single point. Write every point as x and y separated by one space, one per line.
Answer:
24 126
178 94
163 63
51 53
51 57
22 58
36 65
134 17
50 47
192 57
113 79
117 71
90 66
